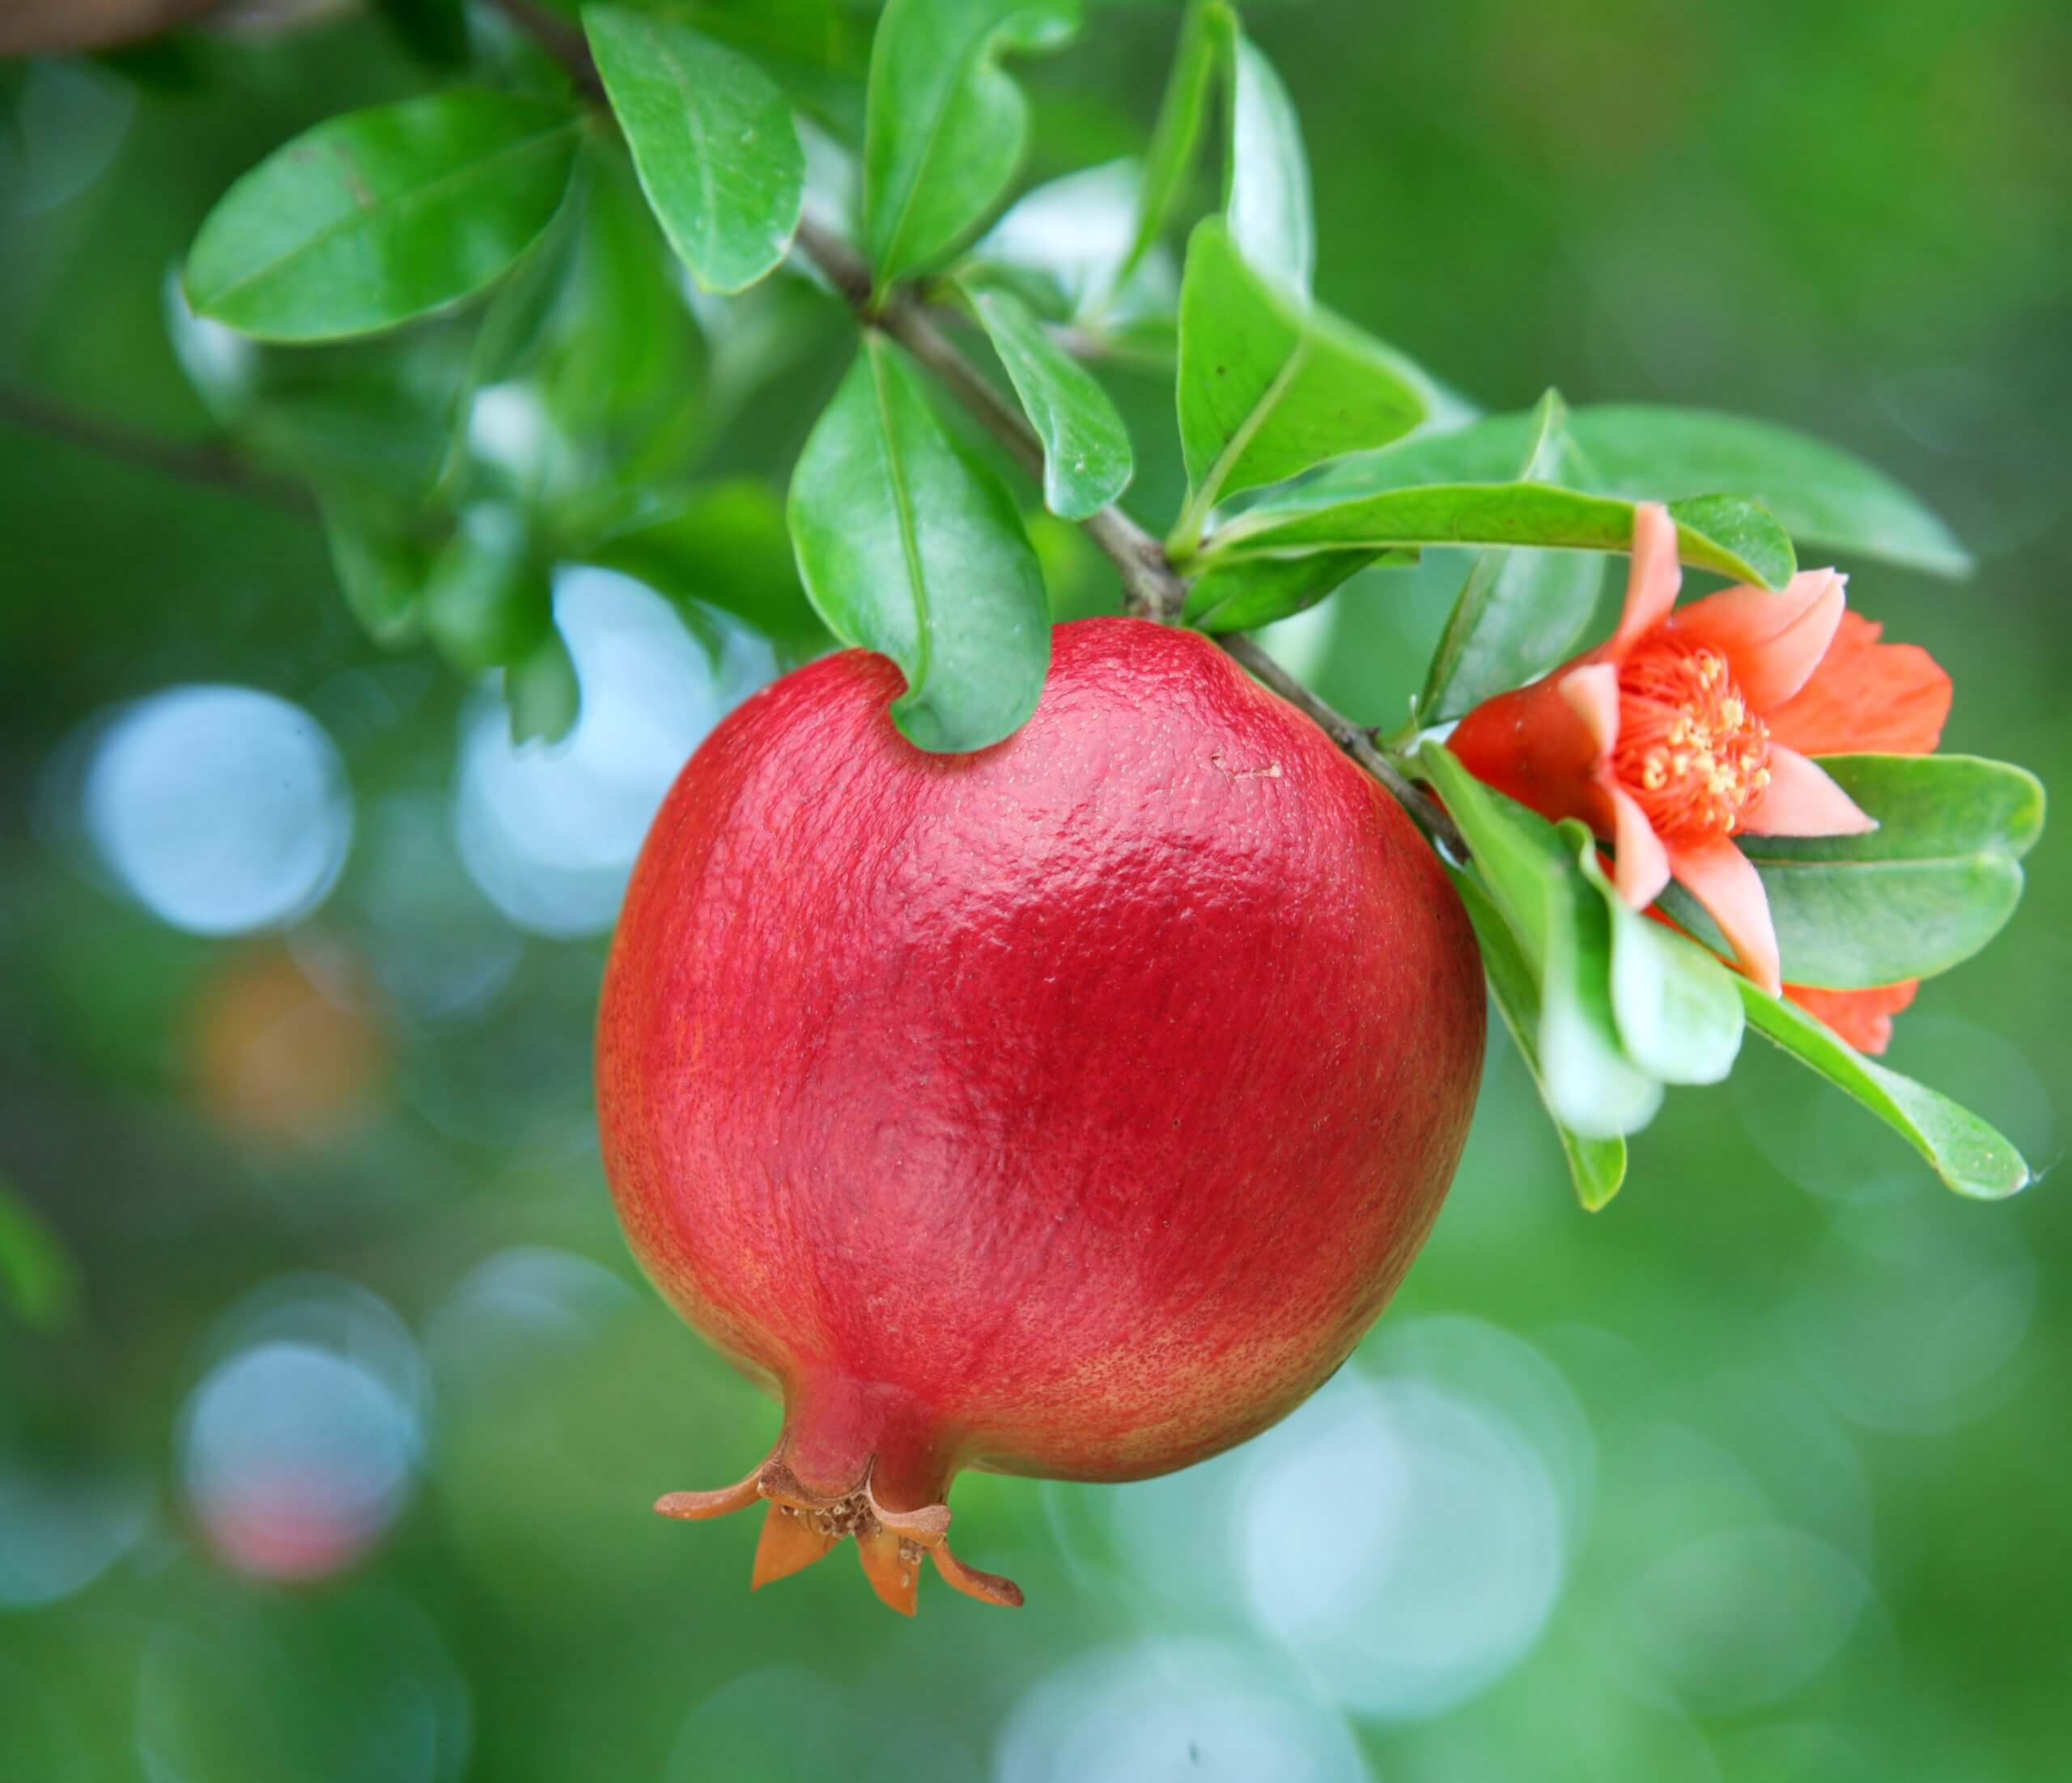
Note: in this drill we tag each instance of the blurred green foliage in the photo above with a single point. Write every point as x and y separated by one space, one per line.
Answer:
1760 1468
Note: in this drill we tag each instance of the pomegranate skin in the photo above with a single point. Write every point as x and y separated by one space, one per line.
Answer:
1068 1108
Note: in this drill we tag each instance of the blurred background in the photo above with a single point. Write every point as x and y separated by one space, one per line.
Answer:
331 1405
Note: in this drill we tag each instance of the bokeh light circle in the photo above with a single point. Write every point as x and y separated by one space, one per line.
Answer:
221 809
1406 1542
550 831
1175 1711
60 1532
300 1445
1740 1618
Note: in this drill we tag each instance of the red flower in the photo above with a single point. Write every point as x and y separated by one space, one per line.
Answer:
1687 727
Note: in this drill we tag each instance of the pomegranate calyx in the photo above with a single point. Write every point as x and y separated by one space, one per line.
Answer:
803 1525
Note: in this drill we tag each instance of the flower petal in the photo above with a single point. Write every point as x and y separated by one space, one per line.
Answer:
1534 745
1863 1018
1772 642
1640 862
1724 880
1592 692
1652 577
1802 800
1887 699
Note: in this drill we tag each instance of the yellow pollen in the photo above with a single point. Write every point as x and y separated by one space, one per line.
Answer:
1688 748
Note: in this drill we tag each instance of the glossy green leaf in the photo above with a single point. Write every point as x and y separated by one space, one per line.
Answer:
1563 932
1679 1016
945 124
376 217
1266 390
1176 137
1820 494
488 602
1967 1154
911 547
1328 513
725 544
38 1281
1596 1166
817 51
712 140
1927 889
542 693
627 360
1060 246
1520 610
1266 199
1242 596
1087 459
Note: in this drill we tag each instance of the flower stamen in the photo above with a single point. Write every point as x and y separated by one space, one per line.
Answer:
1689 748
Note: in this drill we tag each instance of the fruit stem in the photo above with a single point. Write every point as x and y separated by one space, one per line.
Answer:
838 1432
854 1458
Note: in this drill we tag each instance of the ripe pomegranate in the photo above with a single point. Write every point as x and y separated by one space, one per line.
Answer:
1068 1108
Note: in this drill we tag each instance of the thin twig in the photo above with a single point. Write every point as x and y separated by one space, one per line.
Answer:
206 462
1152 588
1357 743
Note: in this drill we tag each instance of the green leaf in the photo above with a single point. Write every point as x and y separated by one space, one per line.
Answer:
1679 1016
376 217
1820 494
1059 247
1176 135
519 320
911 547
542 692
817 50
725 544
1596 1166
945 126
1968 1155
377 418
1521 610
1564 933
1265 391
712 140
1087 461
38 1280
382 565
1242 596
1329 513
489 601
1267 202
1927 889
626 361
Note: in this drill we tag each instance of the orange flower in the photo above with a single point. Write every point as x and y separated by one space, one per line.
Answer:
1687 727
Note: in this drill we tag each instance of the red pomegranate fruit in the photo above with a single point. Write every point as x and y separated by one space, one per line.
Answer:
1069 1108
